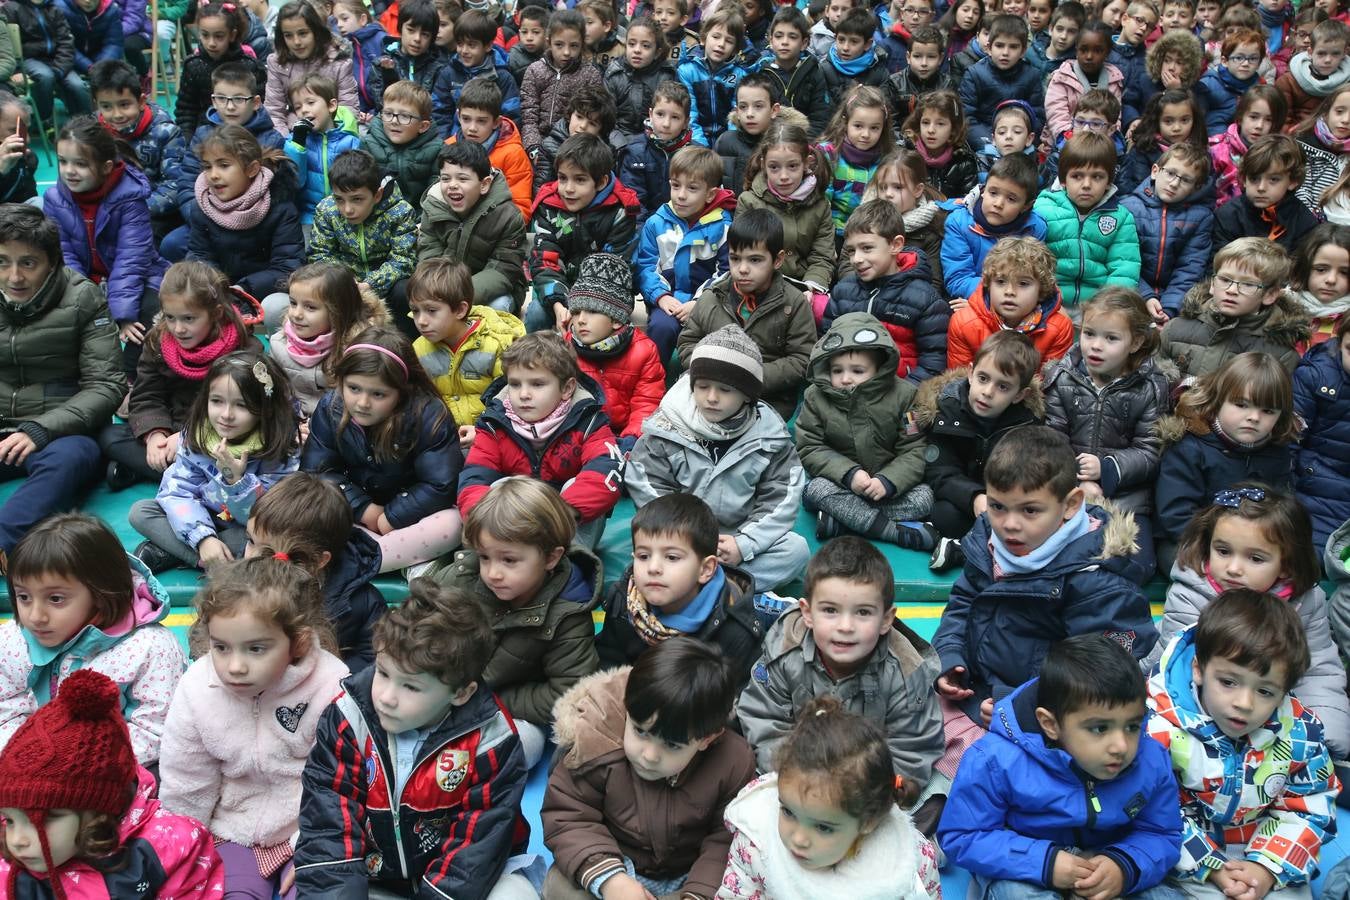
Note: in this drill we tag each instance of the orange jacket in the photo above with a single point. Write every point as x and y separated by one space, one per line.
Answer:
508 154
1053 335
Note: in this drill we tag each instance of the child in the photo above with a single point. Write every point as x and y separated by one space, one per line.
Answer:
1319 281
829 822
1218 90
632 79
589 110
470 217
1271 172
220 32
1060 42
795 71
852 59
1176 60
317 139
532 21
1014 131
364 798
1137 19
923 73
238 734
1092 236
366 39
937 130
1260 112
414 56
402 141
711 72
85 822
549 81
1325 141
303 46
1000 75
1221 705
961 23
650 737
901 178
365 224
474 57
1014 810
1172 215
645 164
1088 70
1241 308
623 360
758 106
1170 117
714 438
1003 209
96 32
384 436
973 49
1317 382
603 46
822 32
48 54
858 137
683 247
480 120
81 602
1317 72
672 16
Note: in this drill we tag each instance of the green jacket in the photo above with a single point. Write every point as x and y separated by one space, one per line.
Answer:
413 164
380 250
1093 251
490 240
1201 339
808 231
869 427
61 363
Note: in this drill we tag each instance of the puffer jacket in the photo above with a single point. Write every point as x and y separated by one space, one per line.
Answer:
984 86
632 92
351 600
313 161
1323 166
1093 251
281 76
644 166
680 258
520 59
598 812
379 251
259 259
633 377
713 93
413 164
893 689
562 238
965 244
969 327
1322 459
259 125
1218 92
96 36
1132 60
1116 423
1225 155
999 626
418 482
161 148
544 92
44 33
462 373
1337 566
1239 218
258 36
808 230
904 88
310 382
160 397
1201 339
910 309
490 240
366 44
193 99
1226 789
735 147
1175 243
541 646
803 89
450 83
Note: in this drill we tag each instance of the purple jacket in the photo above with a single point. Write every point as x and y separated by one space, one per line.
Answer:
136 19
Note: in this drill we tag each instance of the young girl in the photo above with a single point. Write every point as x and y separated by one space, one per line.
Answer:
1261 111
385 436
1074 77
100 205
243 719
244 219
829 822
937 131
1325 142
1253 536
961 24
239 440
1169 117
304 45
81 603
902 178
632 79
548 82
326 311
1234 423
86 824
221 28
1319 281
858 135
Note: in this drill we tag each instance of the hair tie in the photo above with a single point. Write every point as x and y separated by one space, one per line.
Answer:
228 7
283 556
1233 498
378 349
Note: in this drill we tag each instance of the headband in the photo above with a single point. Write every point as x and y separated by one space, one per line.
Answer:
378 349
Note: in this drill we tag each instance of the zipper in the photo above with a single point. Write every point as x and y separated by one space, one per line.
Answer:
1162 246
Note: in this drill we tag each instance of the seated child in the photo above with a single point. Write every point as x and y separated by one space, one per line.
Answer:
220 28
1087 70
430 654
822 32
317 139
1098 111
644 165
902 178
673 16
631 79
412 54
1014 816
923 73
479 119
365 224
713 437
632 742
47 54
18 162
1129 53
557 75
402 141
1260 112
712 70
758 105
1013 132
853 58
1316 72
306 45
366 38
1319 280
1270 172
1000 75
603 44
795 70
1218 89
1004 209
1018 293
1058 42
531 44
589 110
474 57
1321 460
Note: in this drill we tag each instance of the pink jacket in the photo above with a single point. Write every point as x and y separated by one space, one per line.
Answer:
1225 153
153 840
1061 97
336 64
235 762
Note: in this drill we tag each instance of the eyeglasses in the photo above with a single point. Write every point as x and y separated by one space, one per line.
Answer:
1242 59
401 118
915 10
1183 180
1244 288
222 100
1090 124
1140 20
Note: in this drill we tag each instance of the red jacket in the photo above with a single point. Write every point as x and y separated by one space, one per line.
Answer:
1053 334
633 378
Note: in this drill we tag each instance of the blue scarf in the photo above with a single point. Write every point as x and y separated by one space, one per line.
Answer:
1043 555
89 642
1234 84
1274 25
1014 227
854 67
690 619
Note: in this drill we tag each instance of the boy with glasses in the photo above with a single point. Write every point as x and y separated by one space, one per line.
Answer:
402 140
1219 89
1268 207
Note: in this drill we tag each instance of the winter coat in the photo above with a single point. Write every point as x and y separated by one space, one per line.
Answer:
808 231
162 855
313 161
95 36
1117 424
544 92
380 251
633 377
259 36
351 600
1019 799
1132 60
632 92
874 74
580 459
562 239
234 762
542 164
998 626
713 93
366 44
984 86
1201 339
450 83
417 482
193 99
413 164
1338 571
1175 243
1322 168
1062 93
803 89
1096 250
520 59
781 324
680 258
122 241
310 382
904 88
965 245
160 147
735 147
44 33
490 240
910 309
1226 787
450 828
542 645
282 76
598 812
259 125
644 166
1225 155
847 184
259 259
969 327
1239 218
462 373
1322 458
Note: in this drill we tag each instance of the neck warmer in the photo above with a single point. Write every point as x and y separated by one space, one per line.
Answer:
1314 85
1236 444
538 433
1282 589
668 146
244 211
1271 219
615 345
208 439
803 191
137 130
1102 82
1329 140
51 290
852 68
935 160
996 231
193 364
1235 84
680 414
655 626
861 158
1323 315
88 203
1274 22
492 140
920 216
1008 564
306 353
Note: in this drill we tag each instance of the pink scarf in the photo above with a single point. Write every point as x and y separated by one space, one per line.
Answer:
193 364
1282 589
244 211
938 161
306 353
803 191
538 433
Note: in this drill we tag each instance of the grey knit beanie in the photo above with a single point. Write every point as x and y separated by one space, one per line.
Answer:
730 356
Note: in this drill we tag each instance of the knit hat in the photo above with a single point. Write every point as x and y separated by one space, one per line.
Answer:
605 285
730 356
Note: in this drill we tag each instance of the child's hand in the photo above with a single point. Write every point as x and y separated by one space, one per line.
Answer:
1252 880
371 517
669 305
385 62
876 489
686 309
1091 489
287 878
466 436
952 685
131 332
981 505
727 551
1155 310
231 468
563 316
382 524
15 449
1089 467
987 711
958 303
859 482
1069 870
212 550
624 887
1105 883
160 449
17 79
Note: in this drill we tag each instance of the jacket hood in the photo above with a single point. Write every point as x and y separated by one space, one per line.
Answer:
1015 722
588 720
508 133
1185 46
390 196
721 199
1284 321
948 385
855 331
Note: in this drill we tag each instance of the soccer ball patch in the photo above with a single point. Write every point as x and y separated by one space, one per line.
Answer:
1107 224
451 767
1274 785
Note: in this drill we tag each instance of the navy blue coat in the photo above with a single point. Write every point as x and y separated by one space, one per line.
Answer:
353 604
1175 243
97 35
450 82
1322 461
1139 86
632 92
984 86
1135 167
645 169
1218 92
261 259
160 147
1198 466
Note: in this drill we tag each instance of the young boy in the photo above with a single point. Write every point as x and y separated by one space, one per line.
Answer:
797 73
1175 222
1000 75
1004 209
469 217
1129 54
474 56
366 38
317 139
1218 89
413 56
1178 15
532 21
48 57
602 41
1061 41
633 742
95 31
672 16
843 639
447 14
1241 309
365 224
755 297
683 247
1014 816
402 141
895 285
758 104
645 164
590 110
586 210
481 121
1098 111
712 71
1319 72
853 59
1271 171
715 438
622 359
1257 787
822 33
922 74
417 729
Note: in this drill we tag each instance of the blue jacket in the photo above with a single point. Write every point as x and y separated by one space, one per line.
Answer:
423 70
260 126
160 147
122 239
98 35
367 46
193 495
1018 800
1139 87
1322 461
712 94
1218 92
450 82
351 601
644 166
313 162
984 86
1135 167
965 244
677 258
1175 243
261 259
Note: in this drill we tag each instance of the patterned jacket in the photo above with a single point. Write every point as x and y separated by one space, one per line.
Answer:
161 147
678 257
379 251
194 496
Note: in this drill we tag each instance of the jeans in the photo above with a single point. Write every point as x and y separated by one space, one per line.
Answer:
664 330
1007 889
148 518
175 245
539 316
45 81
56 476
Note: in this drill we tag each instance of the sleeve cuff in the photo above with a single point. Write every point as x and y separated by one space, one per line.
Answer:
36 433
1127 868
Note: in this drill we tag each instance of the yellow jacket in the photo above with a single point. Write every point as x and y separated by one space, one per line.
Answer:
462 373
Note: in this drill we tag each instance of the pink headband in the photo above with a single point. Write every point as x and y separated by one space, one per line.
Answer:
378 349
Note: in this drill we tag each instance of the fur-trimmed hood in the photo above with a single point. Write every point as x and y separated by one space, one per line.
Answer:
588 720
1120 534
1183 45
948 384
1171 429
1286 322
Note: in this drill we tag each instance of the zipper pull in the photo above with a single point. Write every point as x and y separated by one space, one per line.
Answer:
1096 804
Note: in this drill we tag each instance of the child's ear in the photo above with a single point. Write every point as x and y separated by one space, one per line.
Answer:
423 125
779 259
554 557
897 243
325 558
1049 724
569 388
777 108
705 743
302 644
252 169
1073 502
601 185
1271 296
332 106
707 569
461 696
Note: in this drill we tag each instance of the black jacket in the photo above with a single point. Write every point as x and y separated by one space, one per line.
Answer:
632 92
259 259
804 90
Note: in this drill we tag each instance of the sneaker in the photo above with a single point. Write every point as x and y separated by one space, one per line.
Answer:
918 536
156 558
946 555
827 527
120 477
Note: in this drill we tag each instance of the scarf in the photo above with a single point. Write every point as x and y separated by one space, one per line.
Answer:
1234 84
679 413
667 146
491 142
1219 432
1324 316
244 211
655 626
852 68
193 364
1008 564
1103 81
538 433
1274 22
1282 589
135 132
935 161
208 439
613 346
88 202
306 353
1329 140
803 191
863 159
920 216
998 231
1314 85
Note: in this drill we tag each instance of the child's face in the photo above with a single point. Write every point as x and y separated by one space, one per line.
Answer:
666 570
1106 343
298 37
787 43
536 393
755 109
227 412
1012 296
924 59
477 125
1010 134
1242 555
1175 122
1244 60
815 830
1207 12
1112 12
1002 200
935 130
53 608
753 268
471 53
532 35
850 46
847 619
992 391
1063 34
640 47
1006 52
917 13
23 842
1024 520
591 327
1256 122
1272 5
408 701
186 322
719 45
402 123
751 11
716 401
215 35
872 255
1015 8
690 196
1091 120
23 270
669 120
1177 15
368 399
596 28
1330 7
667 15
1103 740
967 15
77 167
120 109
462 188
513 572
1086 187
836 10
436 320
1338 116
580 123
249 654
1137 23
414 39
564 47
1237 291
576 187
349 21
226 177
1092 52
233 102
307 313
1038 14
1329 278
1175 181
1301 37
1172 70
355 205
897 188
848 370
445 32
1268 188
1327 57
310 105
784 168
652 757
1245 422
1239 700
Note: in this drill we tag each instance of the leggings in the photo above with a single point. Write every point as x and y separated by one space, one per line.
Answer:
243 881
432 537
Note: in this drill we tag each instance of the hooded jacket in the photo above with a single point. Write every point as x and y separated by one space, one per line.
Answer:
1218 91
562 238
450 83
1322 459
965 244
95 36
413 164
808 230
160 147
380 251
904 88
1093 250
712 92
910 309
803 89
1132 60
1176 242
544 92
489 238
681 258
310 383
1052 335
1201 339
313 162
463 372
259 259
282 76
1287 226
351 600
984 86
632 91
193 100
633 377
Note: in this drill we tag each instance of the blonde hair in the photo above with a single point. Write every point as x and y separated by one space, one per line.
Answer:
520 510
1023 255
1263 258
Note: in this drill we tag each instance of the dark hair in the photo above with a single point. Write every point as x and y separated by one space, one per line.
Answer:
860 23
1020 169
945 103
1012 353
24 224
1273 151
409 379
532 11
681 516
793 17
104 145
475 25
1031 458
766 83
928 34
855 560
682 687
441 631
236 72
1097 27
241 144
875 217
948 21
353 170
789 134
1008 26
1098 100
317 83
236 20
1088 669
1282 520
592 102
78 546
1070 9
115 75
1279 106
304 516
204 287
421 14
1146 132
482 92
1323 234
266 393
1088 150
468 154
1253 630
673 91
275 591
336 287
298 9
566 20
1126 303
588 153
754 227
728 17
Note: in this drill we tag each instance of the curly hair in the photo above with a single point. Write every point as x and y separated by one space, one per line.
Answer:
1023 255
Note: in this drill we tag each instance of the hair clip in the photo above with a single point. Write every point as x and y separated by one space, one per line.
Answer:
284 557
264 377
1233 497
228 7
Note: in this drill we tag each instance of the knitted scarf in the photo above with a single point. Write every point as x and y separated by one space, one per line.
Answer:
920 216
1329 140
852 68
863 159
615 345
208 439
244 211
1314 85
193 364
645 622
1274 23
655 626
935 161
667 146
306 353
1323 316
538 433
803 191
1223 436
1234 84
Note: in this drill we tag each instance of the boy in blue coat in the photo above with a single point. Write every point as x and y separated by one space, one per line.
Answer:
474 55
1129 54
712 70
314 148
1004 209
645 163
1062 794
367 39
1001 75
96 29
854 58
